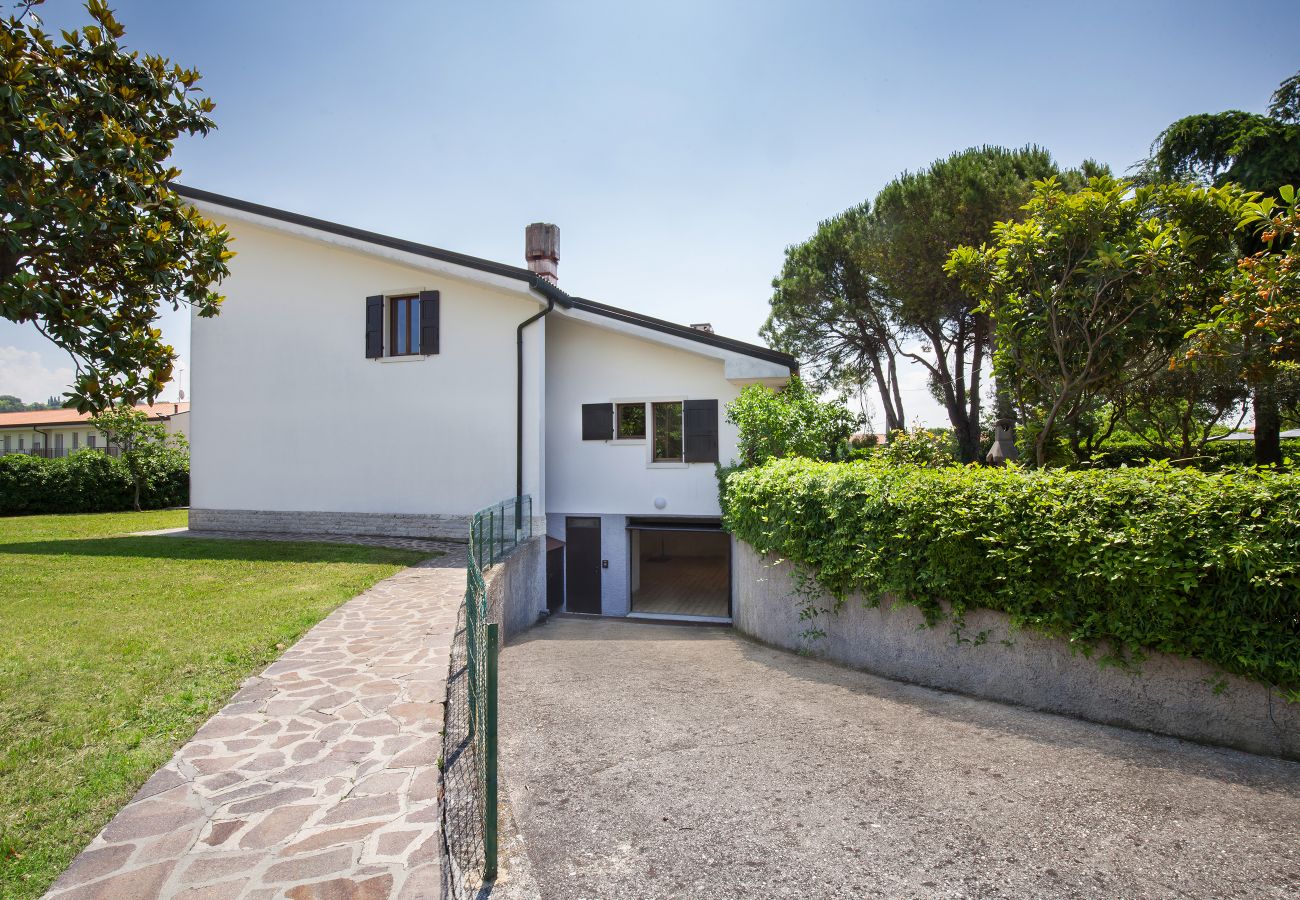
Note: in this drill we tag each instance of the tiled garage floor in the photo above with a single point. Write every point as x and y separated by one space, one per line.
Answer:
683 586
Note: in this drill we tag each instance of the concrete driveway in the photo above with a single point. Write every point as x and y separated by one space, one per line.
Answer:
649 761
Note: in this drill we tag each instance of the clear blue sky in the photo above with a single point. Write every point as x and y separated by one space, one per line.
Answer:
680 146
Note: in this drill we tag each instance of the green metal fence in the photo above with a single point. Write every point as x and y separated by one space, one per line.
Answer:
470 736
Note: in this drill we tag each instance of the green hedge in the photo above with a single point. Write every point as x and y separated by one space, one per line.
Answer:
1197 564
89 481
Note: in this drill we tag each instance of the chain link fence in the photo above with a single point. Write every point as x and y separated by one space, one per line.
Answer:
469 768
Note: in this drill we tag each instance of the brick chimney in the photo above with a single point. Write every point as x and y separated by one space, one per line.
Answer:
542 250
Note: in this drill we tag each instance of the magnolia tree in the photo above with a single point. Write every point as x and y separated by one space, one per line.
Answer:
92 241
1092 293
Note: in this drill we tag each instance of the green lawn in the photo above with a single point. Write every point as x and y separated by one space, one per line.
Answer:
114 649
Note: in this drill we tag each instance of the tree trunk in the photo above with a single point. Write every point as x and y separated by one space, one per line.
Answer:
884 383
1268 427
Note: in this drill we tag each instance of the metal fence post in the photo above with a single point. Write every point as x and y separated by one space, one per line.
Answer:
490 747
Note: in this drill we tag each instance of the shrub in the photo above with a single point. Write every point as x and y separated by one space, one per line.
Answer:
1203 565
789 422
90 481
1217 454
920 447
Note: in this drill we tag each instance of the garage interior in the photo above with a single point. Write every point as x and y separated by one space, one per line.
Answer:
681 570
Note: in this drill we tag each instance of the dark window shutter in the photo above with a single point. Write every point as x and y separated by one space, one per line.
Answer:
374 327
429 323
700 430
598 421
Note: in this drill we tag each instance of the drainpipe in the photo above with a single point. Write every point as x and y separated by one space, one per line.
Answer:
519 408
46 435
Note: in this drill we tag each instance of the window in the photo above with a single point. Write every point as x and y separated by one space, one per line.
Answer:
631 421
404 325
76 437
90 440
668 432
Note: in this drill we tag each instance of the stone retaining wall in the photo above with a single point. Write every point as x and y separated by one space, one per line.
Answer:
1166 694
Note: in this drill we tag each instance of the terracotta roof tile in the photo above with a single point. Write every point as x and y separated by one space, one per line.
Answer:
42 417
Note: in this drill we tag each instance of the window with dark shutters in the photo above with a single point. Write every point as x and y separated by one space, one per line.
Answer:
374 327
597 421
429 322
700 430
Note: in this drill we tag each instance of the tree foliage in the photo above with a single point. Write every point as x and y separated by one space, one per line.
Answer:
829 309
1092 292
789 422
1261 307
92 240
1260 153
925 215
10 403
144 447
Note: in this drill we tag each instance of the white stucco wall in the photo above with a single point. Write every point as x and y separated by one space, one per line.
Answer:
590 364
289 414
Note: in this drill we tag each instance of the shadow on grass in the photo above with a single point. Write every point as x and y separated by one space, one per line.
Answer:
214 549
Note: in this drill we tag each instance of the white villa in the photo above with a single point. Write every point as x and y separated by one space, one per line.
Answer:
427 384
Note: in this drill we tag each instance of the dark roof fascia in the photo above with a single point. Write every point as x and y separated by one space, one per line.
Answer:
685 331
78 423
535 281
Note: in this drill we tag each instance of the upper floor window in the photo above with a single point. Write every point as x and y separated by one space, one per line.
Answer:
631 421
668 432
404 325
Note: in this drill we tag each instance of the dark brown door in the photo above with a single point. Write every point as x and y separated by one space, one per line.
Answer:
582 564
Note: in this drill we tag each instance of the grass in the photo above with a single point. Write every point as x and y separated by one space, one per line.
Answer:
114 649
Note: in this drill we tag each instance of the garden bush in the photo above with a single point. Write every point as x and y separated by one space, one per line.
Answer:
1216 455
90 481
1197 564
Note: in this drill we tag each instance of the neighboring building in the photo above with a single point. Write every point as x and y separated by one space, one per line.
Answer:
58 432
416 385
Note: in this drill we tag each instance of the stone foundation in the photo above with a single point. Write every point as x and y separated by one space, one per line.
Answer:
433 527
1165 694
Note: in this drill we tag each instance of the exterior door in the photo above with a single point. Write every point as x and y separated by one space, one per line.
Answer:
582 564
554 574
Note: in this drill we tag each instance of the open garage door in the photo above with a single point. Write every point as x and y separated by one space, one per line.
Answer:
680 569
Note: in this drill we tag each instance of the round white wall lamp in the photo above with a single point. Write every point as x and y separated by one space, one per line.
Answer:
660 502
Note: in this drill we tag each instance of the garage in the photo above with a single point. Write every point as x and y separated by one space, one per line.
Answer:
680 569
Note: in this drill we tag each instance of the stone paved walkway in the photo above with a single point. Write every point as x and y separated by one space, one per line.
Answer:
318 780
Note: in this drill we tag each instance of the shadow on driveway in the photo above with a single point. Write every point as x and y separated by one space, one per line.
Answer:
657 761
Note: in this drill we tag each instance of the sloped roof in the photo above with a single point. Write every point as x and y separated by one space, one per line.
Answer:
41 417
535 281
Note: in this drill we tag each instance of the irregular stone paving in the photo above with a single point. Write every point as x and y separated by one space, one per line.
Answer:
318 780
